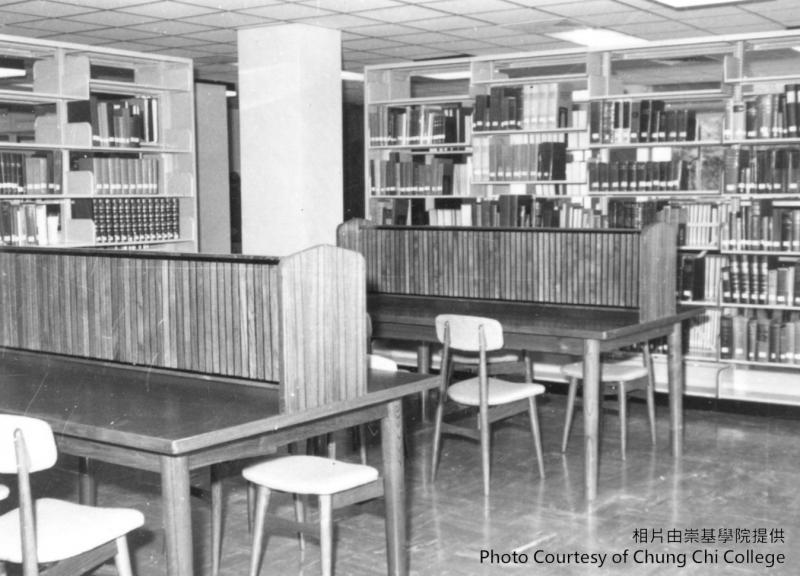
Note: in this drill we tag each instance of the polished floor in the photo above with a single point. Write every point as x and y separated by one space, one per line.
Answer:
731 505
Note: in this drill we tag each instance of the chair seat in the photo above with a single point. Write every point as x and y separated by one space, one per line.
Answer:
500 391
3 492
609 372
494 357
65 529
309 474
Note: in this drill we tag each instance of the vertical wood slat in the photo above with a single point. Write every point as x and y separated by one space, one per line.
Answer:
322 326
172 312
593 267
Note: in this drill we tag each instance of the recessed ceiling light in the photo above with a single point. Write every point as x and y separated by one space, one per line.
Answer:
680 4
11 73
598 38
352 76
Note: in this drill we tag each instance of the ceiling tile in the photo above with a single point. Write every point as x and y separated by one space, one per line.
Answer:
134 46
587 7
618 19
232 4
77 39
517 15
168 9
721 27
118 34
62 25
287 11
225 20
368 43
406 13
448 23
455 45
218 35
171 27
220 49
352 5
409 52
171 41
646 29
384 30
471 6
422 38
338 21
8 18
737 20
111 18
48 9
106 4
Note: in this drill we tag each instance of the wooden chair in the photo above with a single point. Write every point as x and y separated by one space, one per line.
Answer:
74 537
495 399
322 319
618 377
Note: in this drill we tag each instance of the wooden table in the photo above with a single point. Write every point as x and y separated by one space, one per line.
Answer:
576 330
171 424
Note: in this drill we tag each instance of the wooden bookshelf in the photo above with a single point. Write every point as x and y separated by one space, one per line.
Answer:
88 123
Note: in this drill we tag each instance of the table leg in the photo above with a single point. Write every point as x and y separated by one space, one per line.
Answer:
424 367
591 415
394 489
675 367
177 515
87 486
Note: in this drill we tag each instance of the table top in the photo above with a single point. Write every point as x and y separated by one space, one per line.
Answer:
520 318
159 411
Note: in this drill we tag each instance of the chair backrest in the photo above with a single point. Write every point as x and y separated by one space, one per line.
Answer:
382 363
465 332
39 441
323 328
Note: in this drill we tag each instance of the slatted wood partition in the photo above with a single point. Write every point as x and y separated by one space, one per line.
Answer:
215 315
322 319
633 269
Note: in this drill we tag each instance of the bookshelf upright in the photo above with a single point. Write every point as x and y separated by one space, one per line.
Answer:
703 133
96 147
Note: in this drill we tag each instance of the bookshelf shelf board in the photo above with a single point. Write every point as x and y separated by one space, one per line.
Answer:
23 197
20 97
700 356
540 182
650 194
662 144
423 100
761 79
547 79
698 248
444 147
32 146
567 130
134 243
681 95
765 196
783 307
777 365
422 196
790 253
145 149
760 141
699 303
130 88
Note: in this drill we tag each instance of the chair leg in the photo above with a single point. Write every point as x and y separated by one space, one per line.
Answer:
486 439
326 533
251 505
622 398
216 518
262 501
300 507
573 391
437 436
362 442
651 411
537 436
122 558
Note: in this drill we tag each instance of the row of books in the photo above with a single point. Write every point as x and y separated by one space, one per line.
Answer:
519 158
627 121
770 116
754 338
123 220
118 121
638 176
697 222
117 175
425 124
516 210
405 174
759 225
29 224
762 171
22 173
739 279
527 107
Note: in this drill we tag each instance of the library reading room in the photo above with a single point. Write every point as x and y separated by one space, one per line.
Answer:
399 287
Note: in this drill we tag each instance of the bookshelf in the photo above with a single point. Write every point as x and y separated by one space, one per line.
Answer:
96 148
702 132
